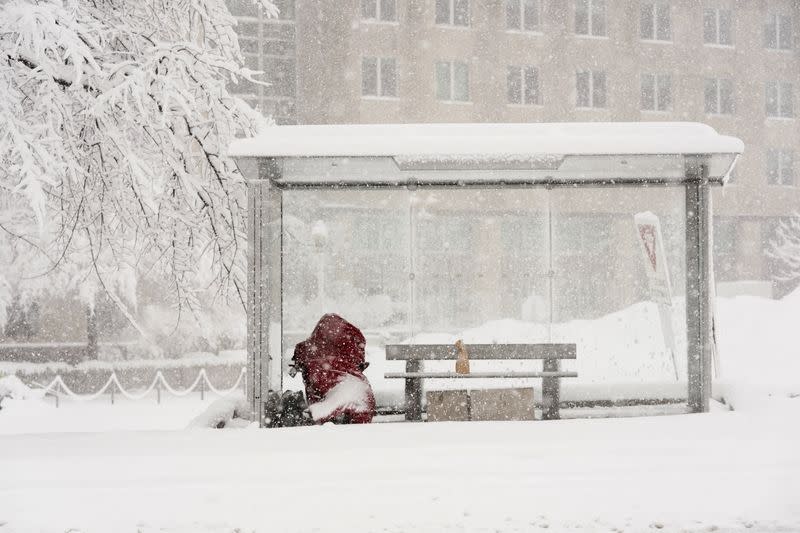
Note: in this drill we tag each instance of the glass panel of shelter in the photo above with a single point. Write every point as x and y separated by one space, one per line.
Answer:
627 333
347 252
492 265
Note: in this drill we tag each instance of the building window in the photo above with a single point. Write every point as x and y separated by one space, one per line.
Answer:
379 10
452 81
717 26
719 96
379 77
523 86
590 88
780 167
590 17
248 8
655 21
779 99
285 9
452 12
778 32
656 92
523 15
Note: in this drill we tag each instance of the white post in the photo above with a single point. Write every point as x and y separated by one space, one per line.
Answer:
265 288
654 258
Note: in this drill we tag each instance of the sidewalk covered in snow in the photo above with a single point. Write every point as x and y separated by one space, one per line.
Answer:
732 472
649 176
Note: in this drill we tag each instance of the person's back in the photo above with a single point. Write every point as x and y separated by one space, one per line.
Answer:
332 362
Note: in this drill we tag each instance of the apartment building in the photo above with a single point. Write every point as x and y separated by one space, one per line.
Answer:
733 64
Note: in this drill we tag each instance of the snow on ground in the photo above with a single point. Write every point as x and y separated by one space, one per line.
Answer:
760 351
42 416
623 355
689 473
724 471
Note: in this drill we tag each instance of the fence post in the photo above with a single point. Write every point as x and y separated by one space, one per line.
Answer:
113 387
202 387
158 391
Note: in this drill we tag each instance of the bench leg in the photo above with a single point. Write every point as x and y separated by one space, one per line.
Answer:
413 393
551 391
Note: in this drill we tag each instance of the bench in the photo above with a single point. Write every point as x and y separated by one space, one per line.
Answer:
414 354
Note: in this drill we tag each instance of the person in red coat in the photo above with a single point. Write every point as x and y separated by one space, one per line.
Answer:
332 363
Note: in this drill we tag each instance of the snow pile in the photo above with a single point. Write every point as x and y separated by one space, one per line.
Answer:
12 387
623 355
19 404
619 356
760 352
726 472
226 412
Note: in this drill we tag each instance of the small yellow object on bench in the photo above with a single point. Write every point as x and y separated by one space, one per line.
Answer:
462 363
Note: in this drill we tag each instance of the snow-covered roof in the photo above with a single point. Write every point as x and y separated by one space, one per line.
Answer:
594 138
484 154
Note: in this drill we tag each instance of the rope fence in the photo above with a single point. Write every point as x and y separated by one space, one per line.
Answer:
57 388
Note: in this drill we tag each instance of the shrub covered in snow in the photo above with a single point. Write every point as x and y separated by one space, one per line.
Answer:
12 387
228 412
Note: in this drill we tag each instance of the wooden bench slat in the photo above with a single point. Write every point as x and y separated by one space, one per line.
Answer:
512 375
445 352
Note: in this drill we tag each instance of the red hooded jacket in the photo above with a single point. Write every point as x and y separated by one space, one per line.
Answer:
334 355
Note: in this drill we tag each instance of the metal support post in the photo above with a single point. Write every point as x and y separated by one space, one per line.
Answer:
264 287
698 275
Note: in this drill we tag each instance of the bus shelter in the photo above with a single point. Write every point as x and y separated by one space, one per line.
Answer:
635 169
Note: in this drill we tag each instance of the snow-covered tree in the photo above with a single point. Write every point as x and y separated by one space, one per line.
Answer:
785 249
114 123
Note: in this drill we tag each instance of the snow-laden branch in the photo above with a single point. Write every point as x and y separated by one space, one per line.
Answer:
114 125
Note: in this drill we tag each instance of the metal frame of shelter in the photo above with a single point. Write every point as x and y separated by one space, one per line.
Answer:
490 156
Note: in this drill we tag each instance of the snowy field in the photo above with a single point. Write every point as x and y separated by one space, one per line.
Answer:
132 466
100 415
690 473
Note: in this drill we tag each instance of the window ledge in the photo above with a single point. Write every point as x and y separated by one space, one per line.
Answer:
452 27
657 111
583 108
657 41
380 98
532 33
780 119
525 106
375 22
591 37
720 46
780 50
264 20
720 115
455 102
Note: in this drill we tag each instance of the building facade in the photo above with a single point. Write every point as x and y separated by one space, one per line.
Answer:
733 64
